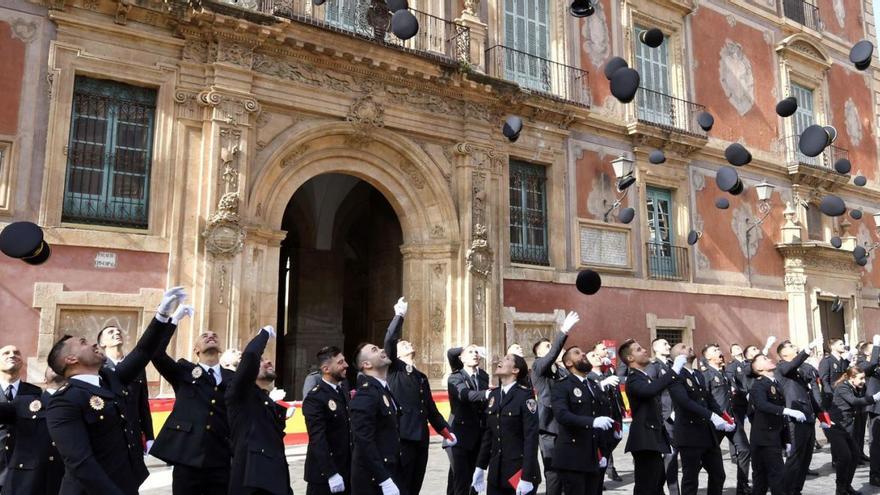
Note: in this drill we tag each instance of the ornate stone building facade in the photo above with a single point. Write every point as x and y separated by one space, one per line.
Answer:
296 165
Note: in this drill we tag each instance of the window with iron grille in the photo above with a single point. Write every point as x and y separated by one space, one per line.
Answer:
672 335
109 154
528 214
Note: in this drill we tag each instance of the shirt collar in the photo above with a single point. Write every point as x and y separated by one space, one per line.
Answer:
332 385
383 382
93 380
216 369
15 385
506 388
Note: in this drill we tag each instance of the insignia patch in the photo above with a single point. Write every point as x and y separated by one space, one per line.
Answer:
35 406
532 405
690 384
197 372
385 398
663 371
491 401
834 366
331 404
577 392
409 368
772 390
717 380
96 402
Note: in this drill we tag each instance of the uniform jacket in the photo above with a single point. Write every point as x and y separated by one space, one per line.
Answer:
720 388
376 454
137 402
7 442
35 467
196 433
510 441
847 406
467 402
412 391
327 421
259 464
811 375
766 402
545 373
576 406
98 443
655 370
872 382
694 405
830 369
647 432
739 374
796 387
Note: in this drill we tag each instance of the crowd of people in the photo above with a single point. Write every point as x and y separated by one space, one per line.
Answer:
557 422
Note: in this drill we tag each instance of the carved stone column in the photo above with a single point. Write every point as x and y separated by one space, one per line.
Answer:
478 35
798 301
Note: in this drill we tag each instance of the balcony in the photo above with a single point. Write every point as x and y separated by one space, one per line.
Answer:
667 262
366 19
668 112
814 171
804 13
545 77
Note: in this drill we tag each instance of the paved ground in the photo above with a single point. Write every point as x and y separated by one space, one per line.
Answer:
159 482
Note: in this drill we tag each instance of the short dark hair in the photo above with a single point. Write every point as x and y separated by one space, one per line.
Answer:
707 347
101 332
833 341
567 353
597 344
863 345
625 350
735 344
357 354
536 344
521 365
782 346
326 354
55 359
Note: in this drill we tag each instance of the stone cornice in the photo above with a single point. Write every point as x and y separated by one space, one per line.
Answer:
819 257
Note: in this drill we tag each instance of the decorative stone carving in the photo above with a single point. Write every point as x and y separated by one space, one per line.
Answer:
195 50
24 30
187 105
795 282
234 110
471 7
594 32
437 320
295 155
413 173
740 221
698 181
365 114
230 141
840 13
853 122
232 52
479 256
224 236
483 157
438 232
122 9
736 77
221 284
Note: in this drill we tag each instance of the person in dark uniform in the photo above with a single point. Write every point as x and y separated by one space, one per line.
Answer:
508 459
413 394
769 433
375 462
86 417
259 465
698 419
137 394
872 386
468 393
811 376
660 364
325 408
723 390
609 379
586 427
648 439
11 386
831 367
312 378
547 369
862 361
35 467
847 400
796 388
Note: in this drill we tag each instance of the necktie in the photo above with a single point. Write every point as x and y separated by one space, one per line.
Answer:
476 381
9 395
212 376
393 403
341 393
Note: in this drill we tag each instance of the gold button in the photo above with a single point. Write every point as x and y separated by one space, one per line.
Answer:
53 444
51 457
21 465
208 427
178 427
213 401
385 459
101 417
210 413
265 403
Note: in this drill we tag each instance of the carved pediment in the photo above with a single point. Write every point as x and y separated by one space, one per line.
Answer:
800 47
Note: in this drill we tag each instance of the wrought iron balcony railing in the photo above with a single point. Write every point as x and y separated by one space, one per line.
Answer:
802 12
367 19
668 112
667 262
549 78
825 160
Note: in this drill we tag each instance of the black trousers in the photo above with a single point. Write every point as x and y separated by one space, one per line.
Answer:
187 480
413 461
845 452
648 472
464 462
767 470
803 441
874 451
739 445
505 489
579 483
324 489
670 465
859 435
693 459
551 478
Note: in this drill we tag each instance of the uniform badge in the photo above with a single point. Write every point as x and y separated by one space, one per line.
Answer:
532 405
662 371
35 406
772 390
385 398
717 380
96 402
197 372
834 366
690 384
577 392
491 401
331 404
409 368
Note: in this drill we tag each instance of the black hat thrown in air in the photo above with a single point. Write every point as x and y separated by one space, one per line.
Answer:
843 166
652 37
588 282
24 241
860 54
836 242
625 83
787 107
612 65
404 24
738 155
728 180
855 214
705 121
693 237
814 140
512 127
626 215
832 206
657 157
860 180
722 203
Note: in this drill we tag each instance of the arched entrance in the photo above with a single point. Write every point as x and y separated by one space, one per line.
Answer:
341 271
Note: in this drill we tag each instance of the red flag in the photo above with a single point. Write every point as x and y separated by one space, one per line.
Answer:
514 480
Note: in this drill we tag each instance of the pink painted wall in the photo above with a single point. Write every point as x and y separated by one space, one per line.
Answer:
844 85
11 72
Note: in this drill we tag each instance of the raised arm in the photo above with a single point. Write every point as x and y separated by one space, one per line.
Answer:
640 387
454 357
130 368
543 364
788 369
249 366
458 386
847 395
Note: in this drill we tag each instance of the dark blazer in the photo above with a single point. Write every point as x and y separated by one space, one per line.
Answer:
467 404
766 402
655 370
577 443
830 369
646 432
739 374
694 406
847 405
101 453
545 372
510 442
137 403
7 443
719 387
259 464
412 391
376 454
329 428
196 433
811 376
796 387
872 382
35 467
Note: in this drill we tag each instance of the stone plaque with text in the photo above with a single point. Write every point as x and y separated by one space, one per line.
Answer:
604 247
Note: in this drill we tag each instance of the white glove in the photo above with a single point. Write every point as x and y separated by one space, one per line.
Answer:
603 463
672 416
182 312
270 330
770 341
149 446
401 307
606 362
524 487
788 450
815 344
450 443
719 422
481 351
277 394
729 427
610 382
824 425
875 340
794 414
170 298
618 435
876 397
571 320
603 423
389 488
291 410
478 482
337 484
679 363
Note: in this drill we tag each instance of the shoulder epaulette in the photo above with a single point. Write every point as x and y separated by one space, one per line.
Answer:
316 388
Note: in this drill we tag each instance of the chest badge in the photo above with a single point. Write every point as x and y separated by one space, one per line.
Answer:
409 368
717 380
35 406
385 398
491 401
96 402
532 405
197 372
577 392
772 390
690 384
663 371
331 404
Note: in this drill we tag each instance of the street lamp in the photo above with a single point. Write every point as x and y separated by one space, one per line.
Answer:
764 191
875 244
623 172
